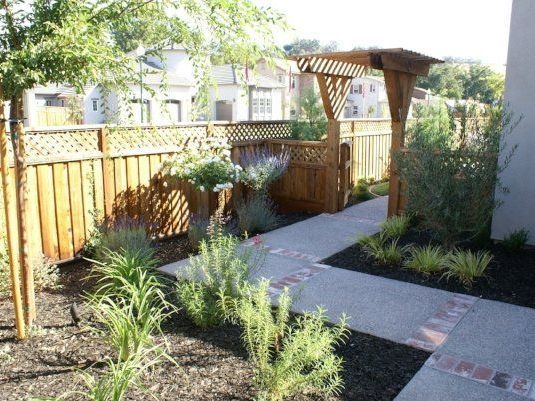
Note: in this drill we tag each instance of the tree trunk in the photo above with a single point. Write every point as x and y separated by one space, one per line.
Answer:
11 242
17 140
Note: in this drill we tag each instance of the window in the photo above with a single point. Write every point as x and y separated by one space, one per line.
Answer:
141 113
280 77
360 89
62 103
94 104
351 89
261 104
48 102
372 88
171 111
355 110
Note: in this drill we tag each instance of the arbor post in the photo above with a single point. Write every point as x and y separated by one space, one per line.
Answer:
399 88
12 245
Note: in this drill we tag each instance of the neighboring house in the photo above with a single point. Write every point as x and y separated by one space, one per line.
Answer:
161 105
517 210
367 98
60 105
260 97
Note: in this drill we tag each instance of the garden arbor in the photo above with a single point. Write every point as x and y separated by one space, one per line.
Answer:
335 71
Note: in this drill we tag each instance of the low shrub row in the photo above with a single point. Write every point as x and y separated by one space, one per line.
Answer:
384 248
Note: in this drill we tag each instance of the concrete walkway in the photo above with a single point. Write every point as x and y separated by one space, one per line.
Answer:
479 349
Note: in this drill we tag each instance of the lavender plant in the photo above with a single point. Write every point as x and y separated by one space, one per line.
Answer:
263 167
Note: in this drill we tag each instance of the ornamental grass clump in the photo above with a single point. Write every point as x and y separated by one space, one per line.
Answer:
516 240
383 249
256 215
396 226
215 275
207 167
129 301
290 357
426 260
466 266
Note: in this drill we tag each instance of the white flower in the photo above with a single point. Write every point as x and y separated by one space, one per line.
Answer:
173 171
216 189
164 184
201 188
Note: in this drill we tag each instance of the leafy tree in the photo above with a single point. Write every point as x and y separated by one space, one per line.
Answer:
312 124
78 42
83 41
470 80
445 80
304 46
483 84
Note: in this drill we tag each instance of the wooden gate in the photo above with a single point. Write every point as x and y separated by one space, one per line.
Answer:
345 184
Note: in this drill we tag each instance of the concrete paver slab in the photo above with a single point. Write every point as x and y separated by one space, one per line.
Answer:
496 334
385 308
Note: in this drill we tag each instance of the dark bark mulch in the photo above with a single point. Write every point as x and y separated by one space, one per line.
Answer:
510 277
212 364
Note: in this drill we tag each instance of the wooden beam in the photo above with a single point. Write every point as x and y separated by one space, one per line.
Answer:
402 64
333 161
399 89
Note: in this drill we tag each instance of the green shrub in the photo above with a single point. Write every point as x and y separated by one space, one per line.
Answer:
466 266
396 226
451 171
124 235
256 215
309 131
45 272
216 274
426 260
516 241
383 250
290 358
361 190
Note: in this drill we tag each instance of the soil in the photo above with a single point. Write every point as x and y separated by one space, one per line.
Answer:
212 364
509 278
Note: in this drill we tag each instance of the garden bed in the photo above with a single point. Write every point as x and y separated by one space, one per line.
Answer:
509 278
212 363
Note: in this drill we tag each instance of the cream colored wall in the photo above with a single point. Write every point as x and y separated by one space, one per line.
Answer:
518 209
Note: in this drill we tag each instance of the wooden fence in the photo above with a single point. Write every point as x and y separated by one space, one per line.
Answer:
48 116
371 139
75 172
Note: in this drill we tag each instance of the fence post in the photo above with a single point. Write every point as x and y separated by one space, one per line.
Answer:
107 173
345 176
11 243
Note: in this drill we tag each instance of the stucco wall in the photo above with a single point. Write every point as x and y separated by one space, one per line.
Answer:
518 209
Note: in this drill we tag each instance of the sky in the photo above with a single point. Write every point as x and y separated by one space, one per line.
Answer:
474 29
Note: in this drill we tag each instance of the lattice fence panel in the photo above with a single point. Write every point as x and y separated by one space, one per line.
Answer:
132 140
254 131
46 146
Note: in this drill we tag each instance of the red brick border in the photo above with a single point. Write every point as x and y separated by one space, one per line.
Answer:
297 277
257 241
482 374
437 328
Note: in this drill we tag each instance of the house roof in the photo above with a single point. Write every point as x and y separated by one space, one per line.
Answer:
55 90
153 74
226 75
